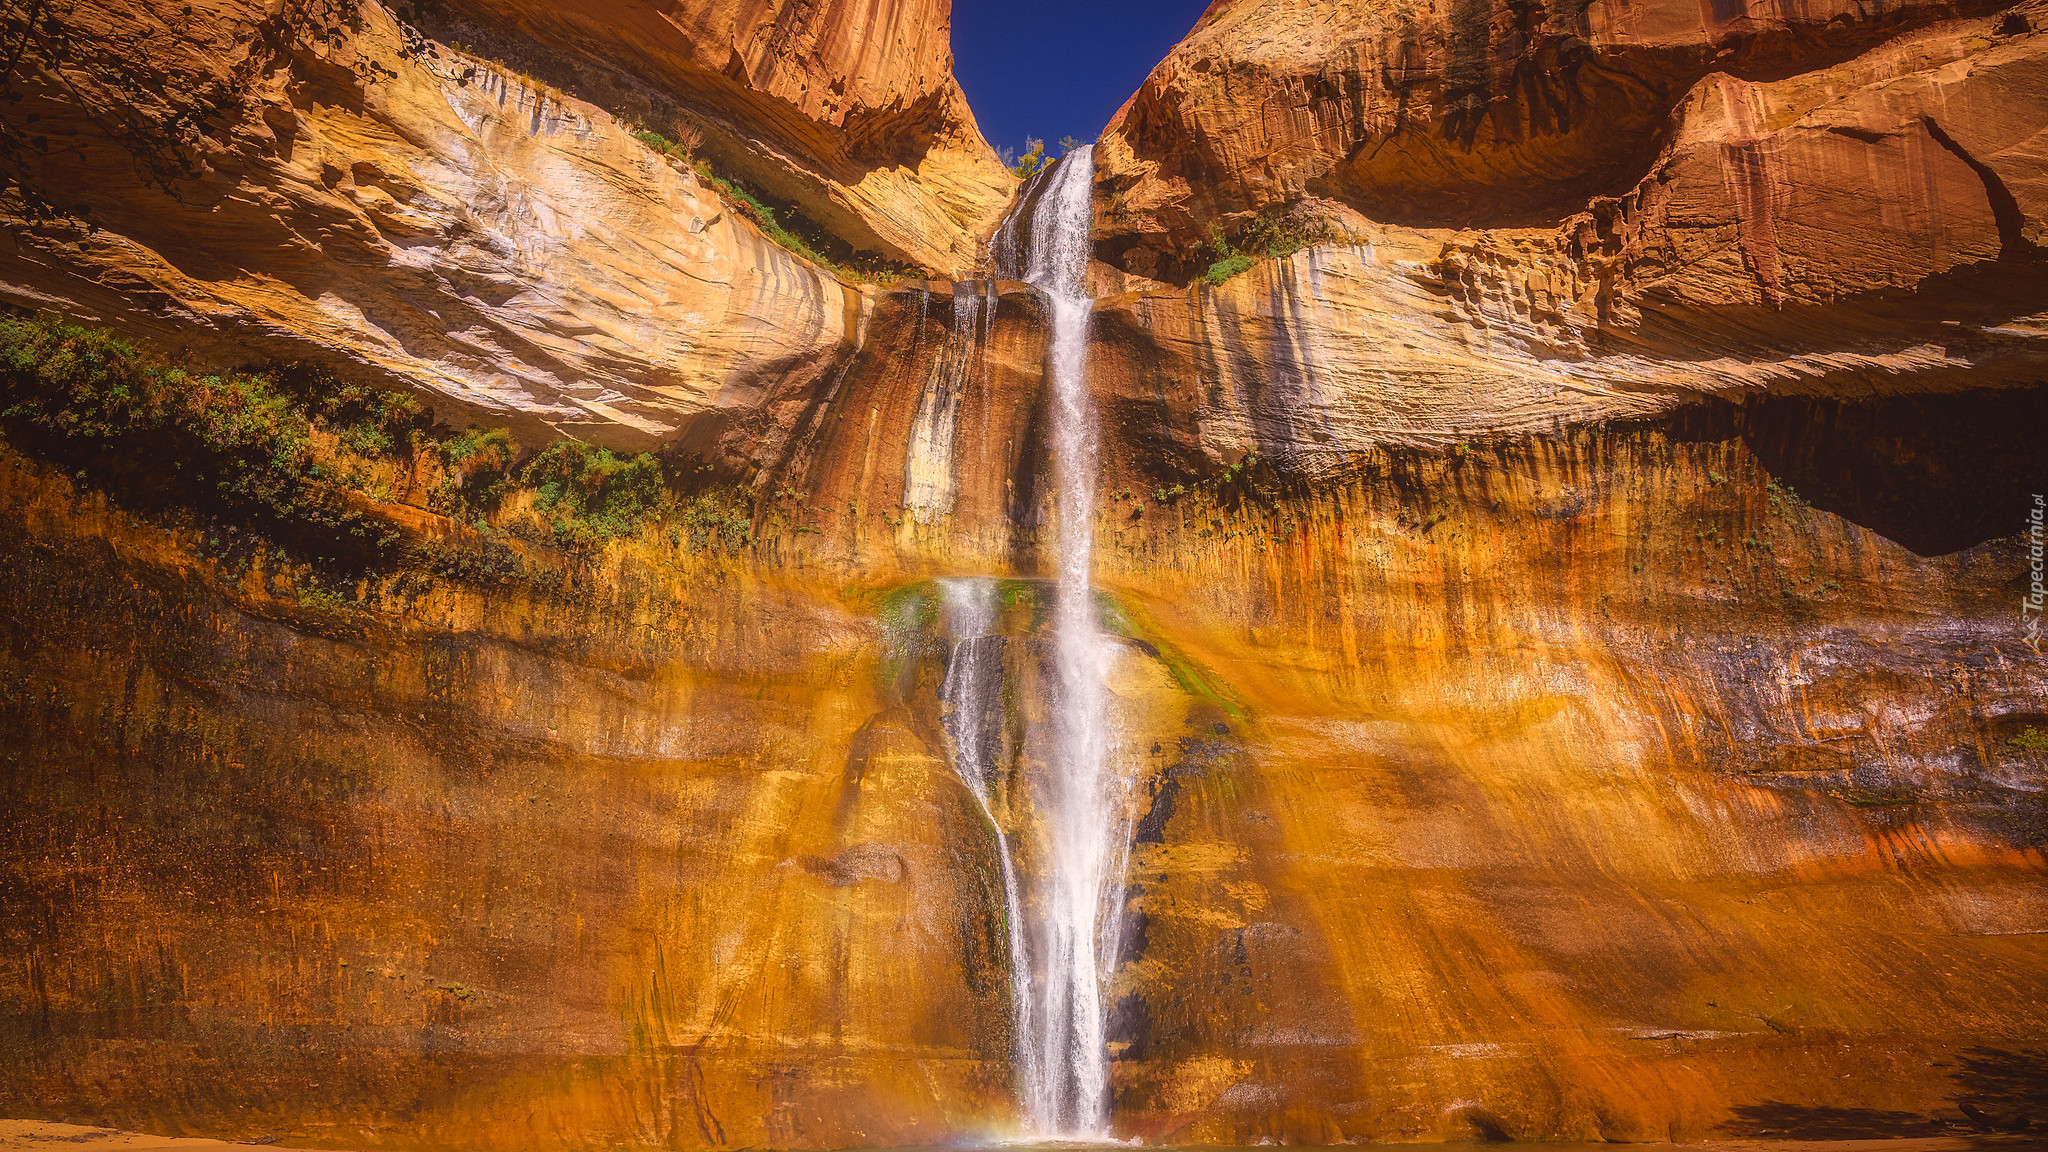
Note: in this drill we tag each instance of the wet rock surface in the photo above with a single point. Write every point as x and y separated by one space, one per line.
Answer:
1589 787
1571 677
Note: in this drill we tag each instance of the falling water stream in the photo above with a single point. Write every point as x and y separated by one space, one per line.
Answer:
973 692
1081 810
1063 911
929 484
1064 928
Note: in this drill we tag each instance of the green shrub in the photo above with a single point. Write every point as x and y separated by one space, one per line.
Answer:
589 495
1269 235
1031 163
1229 266
478 472
237 442
484 563
247 450
2030 739
369 422
722 518
658 142
479 450
682 149
861 267
321 600
1278 236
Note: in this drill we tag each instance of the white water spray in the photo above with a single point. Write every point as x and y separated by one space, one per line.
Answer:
973 693
1065 916
1081 805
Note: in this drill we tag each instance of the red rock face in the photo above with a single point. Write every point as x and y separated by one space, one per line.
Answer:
1571 685
835 63
1905 166
1456 114
1845 218
239 187
848 108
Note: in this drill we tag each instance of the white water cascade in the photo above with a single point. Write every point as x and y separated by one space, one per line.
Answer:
1080 802
930 483
1064 909
973 694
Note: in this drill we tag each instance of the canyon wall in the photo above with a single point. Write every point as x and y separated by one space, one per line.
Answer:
1460 115
1870 226
1600 786
324 185
849 109
1572 677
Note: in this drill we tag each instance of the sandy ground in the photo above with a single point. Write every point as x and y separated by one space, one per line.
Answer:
63 1137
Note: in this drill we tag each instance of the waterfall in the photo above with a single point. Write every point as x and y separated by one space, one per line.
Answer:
1066 1082
929 483
1064 917
973 694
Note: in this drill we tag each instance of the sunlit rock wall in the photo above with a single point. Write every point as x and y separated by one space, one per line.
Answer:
651 854
1640 782
849 109
1571 678
1467 114
1867 227
402 212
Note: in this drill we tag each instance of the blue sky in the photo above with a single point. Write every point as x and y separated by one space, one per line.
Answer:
1053 68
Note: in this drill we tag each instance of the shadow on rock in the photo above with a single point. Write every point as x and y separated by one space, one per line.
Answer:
2003 1091
1800 1122
1998 1092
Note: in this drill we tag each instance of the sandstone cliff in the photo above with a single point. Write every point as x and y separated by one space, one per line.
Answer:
849 109
1619 785
1864 228
1446 115
323 185
1569 677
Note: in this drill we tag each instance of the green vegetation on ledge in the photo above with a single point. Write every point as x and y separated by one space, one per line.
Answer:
784 225
310 470
236 442
1232 252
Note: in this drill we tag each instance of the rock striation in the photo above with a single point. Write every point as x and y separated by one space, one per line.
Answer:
1869 227
851 110
348 194
1467 114
1602 786
1568 673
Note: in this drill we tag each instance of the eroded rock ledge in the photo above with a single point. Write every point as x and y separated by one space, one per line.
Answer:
851 110
1450 115
1872 226
323 186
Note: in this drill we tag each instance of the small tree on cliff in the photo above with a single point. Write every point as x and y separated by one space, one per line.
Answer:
1033 159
